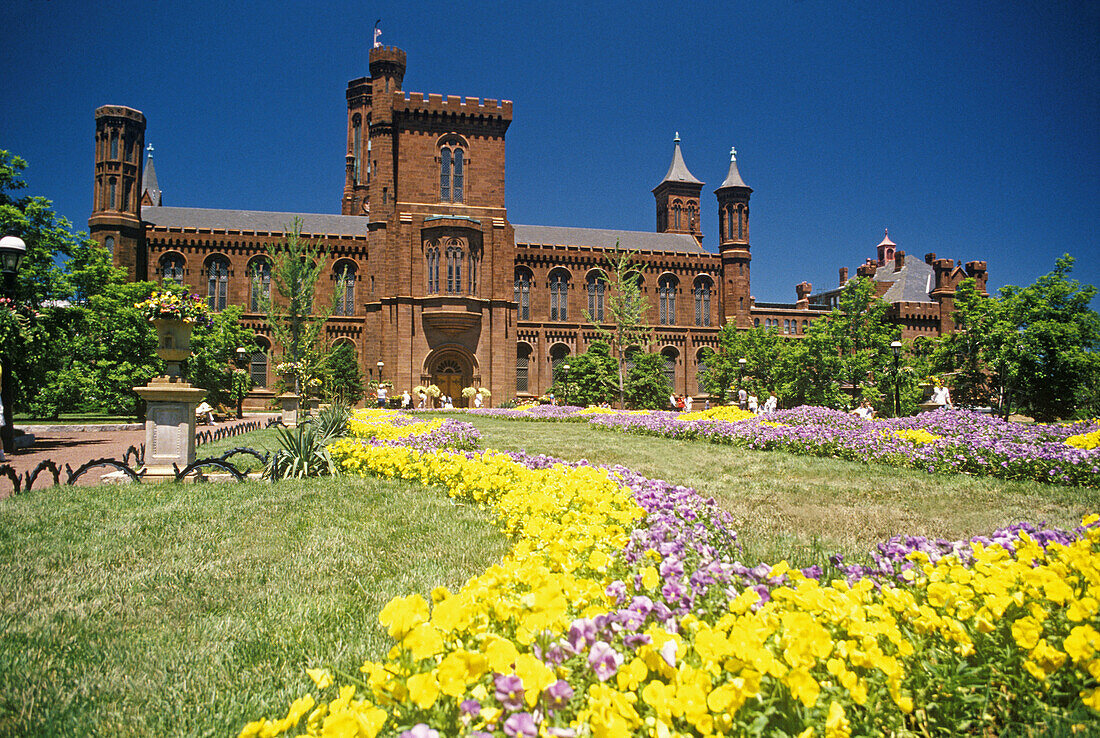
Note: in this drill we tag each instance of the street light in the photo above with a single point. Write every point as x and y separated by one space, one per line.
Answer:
895 346
12 250
740 375
381 365
565 383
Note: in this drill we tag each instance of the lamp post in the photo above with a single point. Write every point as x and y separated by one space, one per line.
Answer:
242 358
381 390
565 384
895 346
12 249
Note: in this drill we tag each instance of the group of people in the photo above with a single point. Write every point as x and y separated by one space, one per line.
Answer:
748 401
682 402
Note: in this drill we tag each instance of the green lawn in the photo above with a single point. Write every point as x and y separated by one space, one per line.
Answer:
191 609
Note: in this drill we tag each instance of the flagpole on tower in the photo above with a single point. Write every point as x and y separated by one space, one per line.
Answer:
377 33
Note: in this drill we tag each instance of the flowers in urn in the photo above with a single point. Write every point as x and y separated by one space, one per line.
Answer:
290 369
176 306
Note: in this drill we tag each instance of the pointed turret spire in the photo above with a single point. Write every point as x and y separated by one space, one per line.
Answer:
733 178
677 170
150 190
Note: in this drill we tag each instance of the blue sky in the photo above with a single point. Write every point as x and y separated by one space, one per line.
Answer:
969 129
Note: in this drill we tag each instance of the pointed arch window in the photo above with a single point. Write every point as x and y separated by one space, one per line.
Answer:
171 268
523 294
109 244
559 291
693 217
217 283
259 281
345 276
368 149
114 145
666 296
740 223
452 173
596 287
473 259
454 268
676 209
703 287
433 268
112 186
670 355
258 364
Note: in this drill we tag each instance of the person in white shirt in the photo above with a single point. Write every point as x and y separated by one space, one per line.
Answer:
381 394
205 412
864 410
754 404
742 399
771 403
405 400
687 403
477 399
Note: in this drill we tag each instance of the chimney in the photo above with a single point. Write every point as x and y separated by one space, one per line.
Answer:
803 290
899 260
929 258
843 276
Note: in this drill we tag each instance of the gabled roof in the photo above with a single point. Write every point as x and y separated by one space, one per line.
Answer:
733 177
677 170
678 243
262 221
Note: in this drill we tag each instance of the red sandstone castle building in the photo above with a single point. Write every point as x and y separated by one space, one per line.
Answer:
436 285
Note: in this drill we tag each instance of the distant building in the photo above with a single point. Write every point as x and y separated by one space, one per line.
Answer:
437 284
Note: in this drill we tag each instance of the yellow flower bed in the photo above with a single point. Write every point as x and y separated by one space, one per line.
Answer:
1086 441
376 423
916 435
832 653
596 410
722 412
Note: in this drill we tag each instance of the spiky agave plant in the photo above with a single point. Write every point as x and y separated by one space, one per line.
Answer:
304 451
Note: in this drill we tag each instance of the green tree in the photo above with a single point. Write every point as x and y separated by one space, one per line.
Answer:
761 348
343 379
211 365
1055 345
592 378
295 323
626 307
647 386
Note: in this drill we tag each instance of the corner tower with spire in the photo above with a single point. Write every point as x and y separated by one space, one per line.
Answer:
733 245
678 198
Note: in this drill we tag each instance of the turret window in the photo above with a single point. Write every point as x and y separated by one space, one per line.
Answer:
445 175
109 244
114 145
217 283
112 187
357 146
676 208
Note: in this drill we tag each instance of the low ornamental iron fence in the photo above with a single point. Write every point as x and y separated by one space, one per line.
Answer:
134 458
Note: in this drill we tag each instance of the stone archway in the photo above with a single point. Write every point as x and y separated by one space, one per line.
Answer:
451 371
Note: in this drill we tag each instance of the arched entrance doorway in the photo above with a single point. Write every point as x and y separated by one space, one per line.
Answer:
451 372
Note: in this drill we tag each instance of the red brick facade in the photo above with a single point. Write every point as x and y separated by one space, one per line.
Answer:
441 287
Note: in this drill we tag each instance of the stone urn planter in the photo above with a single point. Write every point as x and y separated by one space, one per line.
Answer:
173 342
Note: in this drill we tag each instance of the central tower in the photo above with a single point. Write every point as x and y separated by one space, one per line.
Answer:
678 198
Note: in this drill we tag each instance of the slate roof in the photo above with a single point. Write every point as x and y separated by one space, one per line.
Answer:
733 177
149 179
678 243
911 283
677 170
254 220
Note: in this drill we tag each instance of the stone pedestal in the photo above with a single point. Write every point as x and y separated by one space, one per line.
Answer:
289 403
169 425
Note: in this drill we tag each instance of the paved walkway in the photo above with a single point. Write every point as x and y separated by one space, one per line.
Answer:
73 446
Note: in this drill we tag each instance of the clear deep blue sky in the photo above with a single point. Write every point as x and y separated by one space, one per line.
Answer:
971 129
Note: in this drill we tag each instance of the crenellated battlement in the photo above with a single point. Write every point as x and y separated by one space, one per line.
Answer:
419 103
119 111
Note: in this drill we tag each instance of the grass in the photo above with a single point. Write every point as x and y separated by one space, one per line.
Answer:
188 610
192 609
